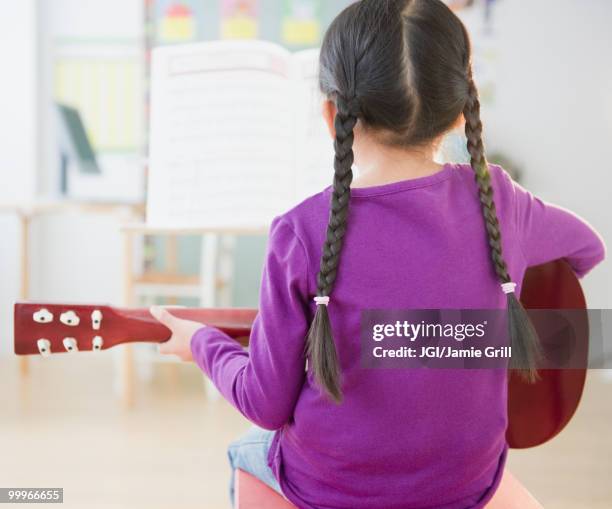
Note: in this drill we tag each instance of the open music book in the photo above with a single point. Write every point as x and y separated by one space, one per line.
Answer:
237 135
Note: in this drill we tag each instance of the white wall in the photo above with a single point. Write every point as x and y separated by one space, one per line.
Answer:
74 258
78 258
554 110
18 139
18 103
80 255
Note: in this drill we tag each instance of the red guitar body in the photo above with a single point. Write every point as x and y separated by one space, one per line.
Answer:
536 412
539 411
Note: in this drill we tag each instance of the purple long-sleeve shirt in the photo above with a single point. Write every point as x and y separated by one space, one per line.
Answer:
401 438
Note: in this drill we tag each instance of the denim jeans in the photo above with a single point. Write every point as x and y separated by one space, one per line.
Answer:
250 453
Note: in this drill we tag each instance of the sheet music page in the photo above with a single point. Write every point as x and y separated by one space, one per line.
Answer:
314 152
222 135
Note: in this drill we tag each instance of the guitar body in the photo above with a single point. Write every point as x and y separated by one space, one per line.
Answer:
536 412
539 411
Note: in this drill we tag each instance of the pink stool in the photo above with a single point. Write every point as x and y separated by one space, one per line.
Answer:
251 493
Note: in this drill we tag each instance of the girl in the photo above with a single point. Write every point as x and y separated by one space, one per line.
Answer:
407 234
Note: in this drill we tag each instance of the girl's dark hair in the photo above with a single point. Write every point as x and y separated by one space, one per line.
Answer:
402 69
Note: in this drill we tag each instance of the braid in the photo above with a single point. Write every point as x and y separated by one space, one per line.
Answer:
473 131
343 176
320 346
523 336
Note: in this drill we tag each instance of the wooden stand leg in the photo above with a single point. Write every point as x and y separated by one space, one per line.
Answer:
208 275
127 377
127 354
24 290
24 366
172 267
174 378
208 270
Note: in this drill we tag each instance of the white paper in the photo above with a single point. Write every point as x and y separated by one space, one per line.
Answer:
233 142
314 144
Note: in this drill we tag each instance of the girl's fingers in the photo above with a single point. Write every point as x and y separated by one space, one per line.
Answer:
182 332
163 316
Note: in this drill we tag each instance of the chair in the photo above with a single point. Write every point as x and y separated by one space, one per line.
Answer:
251 493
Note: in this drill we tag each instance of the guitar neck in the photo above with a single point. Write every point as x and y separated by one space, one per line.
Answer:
140 326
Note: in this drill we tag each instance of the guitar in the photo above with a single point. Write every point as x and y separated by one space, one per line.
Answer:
536 412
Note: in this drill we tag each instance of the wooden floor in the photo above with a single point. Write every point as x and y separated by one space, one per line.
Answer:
63 427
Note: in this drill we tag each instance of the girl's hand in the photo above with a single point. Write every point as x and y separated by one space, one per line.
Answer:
179 343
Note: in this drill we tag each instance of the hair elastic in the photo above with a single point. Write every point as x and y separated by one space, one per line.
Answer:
508 287
321 301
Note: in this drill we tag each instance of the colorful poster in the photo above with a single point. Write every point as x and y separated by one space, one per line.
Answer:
239 19
301 25
178 24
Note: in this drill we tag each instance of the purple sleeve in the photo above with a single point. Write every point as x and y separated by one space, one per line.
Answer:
264 383
547 232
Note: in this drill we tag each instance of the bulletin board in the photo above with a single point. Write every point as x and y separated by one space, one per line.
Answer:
292 23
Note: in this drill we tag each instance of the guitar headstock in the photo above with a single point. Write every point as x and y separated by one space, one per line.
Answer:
45 328
53 328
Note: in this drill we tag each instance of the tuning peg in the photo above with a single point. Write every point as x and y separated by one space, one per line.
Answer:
44 347
70 344
70 318
96 319
42 316
97 343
